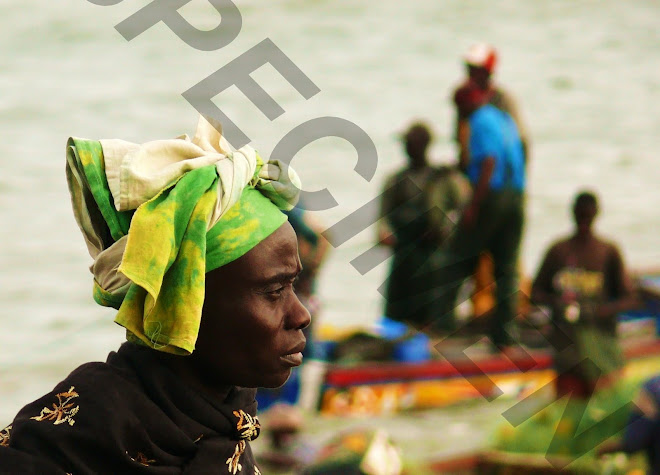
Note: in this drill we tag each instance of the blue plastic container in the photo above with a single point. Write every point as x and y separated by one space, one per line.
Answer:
323 349
414 349
391 329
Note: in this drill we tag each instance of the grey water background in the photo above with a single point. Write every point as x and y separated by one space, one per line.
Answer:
585 73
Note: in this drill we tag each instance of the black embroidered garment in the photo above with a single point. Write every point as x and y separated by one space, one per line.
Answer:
131 415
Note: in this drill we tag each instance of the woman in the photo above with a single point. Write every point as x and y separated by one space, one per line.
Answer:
190 245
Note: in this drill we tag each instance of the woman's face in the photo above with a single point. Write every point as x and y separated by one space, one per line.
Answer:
252 321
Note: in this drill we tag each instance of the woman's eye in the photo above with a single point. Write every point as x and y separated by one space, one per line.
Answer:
277 292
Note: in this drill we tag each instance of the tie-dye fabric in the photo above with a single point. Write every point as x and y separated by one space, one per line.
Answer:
155 257
169 251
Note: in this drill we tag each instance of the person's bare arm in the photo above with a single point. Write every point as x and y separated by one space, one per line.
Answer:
510 105
463 139
542 291
384 234
480 191
625 295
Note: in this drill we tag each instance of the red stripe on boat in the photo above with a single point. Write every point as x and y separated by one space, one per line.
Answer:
387 372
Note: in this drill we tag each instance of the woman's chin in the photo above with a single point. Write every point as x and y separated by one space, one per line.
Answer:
276 380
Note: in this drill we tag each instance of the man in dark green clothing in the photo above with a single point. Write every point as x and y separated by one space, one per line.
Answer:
417 206
493 220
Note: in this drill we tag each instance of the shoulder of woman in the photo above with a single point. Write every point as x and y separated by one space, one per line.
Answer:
93 389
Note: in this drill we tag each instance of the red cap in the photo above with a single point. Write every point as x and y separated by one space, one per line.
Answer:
481 55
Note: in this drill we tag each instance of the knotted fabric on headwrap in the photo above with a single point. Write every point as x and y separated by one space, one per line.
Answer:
156 217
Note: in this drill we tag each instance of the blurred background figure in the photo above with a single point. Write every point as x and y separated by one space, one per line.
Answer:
583 280
406 227
419 209
480 61
493 220
643 430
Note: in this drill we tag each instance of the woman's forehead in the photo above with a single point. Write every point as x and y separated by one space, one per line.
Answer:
276 254
282 242
274 257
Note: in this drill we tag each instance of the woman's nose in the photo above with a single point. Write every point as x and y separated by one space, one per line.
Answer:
300 317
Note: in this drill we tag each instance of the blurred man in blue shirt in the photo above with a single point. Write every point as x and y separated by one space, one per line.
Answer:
494 134
493 220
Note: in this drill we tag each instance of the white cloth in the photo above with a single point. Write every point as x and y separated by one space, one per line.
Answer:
138 172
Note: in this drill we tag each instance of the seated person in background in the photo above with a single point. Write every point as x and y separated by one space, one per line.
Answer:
583 280
643 429
190 245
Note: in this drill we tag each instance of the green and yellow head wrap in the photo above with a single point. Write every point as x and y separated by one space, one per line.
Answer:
156 217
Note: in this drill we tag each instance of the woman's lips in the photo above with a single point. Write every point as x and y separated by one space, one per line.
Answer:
294 359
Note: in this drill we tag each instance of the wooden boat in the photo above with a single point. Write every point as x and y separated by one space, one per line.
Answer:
379 388
383 387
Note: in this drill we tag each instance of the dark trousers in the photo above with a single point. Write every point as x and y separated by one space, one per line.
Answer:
498 230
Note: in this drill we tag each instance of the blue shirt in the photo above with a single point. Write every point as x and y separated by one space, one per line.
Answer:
493 133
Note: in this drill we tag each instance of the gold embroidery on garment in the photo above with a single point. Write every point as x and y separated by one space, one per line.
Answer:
249 425
233 462
61 412
256 470
141 459
4 436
